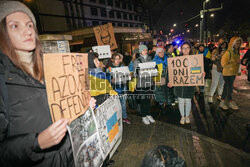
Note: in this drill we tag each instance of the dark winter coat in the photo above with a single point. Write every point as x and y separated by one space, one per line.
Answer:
24 113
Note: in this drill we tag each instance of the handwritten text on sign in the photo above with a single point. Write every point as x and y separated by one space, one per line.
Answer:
186 70
67 84
104 35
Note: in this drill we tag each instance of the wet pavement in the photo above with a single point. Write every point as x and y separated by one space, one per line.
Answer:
214 137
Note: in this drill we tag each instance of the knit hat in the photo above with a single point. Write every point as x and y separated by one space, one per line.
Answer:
9 7
142 47
159 50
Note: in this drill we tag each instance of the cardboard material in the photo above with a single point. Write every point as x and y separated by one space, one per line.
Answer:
67 84
186 70
105 35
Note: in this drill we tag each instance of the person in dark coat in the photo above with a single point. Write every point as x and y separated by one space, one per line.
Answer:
143 86
28 137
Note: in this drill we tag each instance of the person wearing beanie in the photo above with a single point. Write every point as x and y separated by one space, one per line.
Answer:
142 48
28 137
144 86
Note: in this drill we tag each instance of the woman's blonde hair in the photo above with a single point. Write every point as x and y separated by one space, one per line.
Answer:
8 49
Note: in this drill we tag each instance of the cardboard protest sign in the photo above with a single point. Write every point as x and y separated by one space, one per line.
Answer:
67 84
109 122
186 70
104 35
103 51
85 140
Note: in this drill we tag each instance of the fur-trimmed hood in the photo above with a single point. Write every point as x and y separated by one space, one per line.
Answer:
233 41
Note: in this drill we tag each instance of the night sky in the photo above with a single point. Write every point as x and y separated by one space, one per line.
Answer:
233 16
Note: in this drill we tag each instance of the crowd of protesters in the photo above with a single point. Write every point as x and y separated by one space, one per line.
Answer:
221 66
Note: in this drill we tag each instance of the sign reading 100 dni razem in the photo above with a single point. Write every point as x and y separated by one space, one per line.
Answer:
186 70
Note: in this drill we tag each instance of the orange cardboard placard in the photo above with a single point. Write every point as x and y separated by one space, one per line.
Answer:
67 84
186 70
104 35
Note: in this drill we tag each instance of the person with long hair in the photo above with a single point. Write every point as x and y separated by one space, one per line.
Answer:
28 137
184 93
230 62
217 78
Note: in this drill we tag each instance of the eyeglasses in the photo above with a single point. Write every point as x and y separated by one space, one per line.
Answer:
186 48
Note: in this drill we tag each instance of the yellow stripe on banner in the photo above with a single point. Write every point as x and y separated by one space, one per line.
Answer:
113 132
100 86
196 71
158 77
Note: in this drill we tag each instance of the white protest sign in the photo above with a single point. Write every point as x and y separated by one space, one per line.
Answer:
103 51
121 74
147 69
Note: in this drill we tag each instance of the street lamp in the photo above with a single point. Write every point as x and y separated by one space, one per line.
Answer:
174 25
212 15
196 25
202 13
188 30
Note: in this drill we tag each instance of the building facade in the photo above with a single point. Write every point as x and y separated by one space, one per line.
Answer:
65 15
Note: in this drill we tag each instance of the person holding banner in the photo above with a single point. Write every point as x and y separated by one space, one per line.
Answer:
27 135
184 93
143 86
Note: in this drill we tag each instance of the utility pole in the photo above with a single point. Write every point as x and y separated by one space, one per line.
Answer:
203 19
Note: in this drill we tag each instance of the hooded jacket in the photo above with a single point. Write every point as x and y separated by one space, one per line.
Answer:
230 60
24 113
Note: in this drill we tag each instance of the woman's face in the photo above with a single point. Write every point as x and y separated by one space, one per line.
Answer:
161 54
185 49
144 52
237 44
117 60
21 31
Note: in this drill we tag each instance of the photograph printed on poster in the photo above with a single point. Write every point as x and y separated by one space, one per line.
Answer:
90 154
81 129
